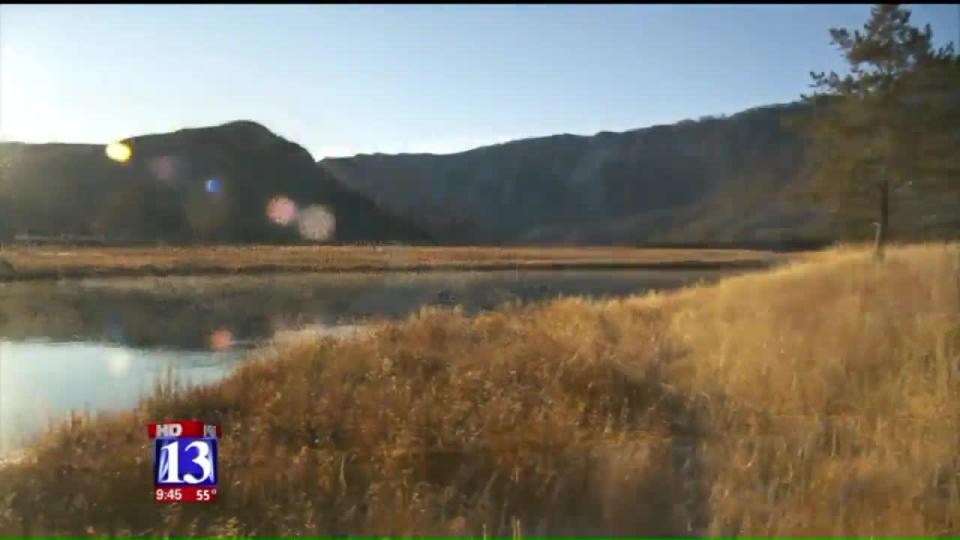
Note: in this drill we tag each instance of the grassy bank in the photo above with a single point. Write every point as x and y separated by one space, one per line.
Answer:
34 263
819 398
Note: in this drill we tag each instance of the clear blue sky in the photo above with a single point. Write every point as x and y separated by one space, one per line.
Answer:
342 80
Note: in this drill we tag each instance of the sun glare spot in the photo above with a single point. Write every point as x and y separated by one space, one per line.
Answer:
118 363
221 339
281 210
316 223
119 151
167 168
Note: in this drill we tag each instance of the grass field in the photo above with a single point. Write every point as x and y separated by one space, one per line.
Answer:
815 399
55 262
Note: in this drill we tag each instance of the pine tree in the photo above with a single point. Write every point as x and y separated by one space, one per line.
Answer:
890 125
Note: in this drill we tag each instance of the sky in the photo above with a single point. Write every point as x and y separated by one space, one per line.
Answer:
348 79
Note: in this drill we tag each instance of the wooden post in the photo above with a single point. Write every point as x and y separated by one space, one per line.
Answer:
956 273
883 225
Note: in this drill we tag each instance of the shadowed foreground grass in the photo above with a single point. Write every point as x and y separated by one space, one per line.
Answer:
819 398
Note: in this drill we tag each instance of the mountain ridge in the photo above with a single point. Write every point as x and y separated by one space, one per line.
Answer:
728 179
722 180
567 183
195 184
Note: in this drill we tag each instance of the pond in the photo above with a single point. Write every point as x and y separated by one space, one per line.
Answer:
101 344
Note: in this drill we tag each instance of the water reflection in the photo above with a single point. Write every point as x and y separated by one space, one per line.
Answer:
107 342
41 382
199 312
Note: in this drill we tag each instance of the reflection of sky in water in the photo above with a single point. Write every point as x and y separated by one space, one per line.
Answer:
222 313
40 382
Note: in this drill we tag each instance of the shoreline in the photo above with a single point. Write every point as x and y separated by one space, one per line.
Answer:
84 272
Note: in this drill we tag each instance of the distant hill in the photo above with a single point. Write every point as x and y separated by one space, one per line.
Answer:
209 184
716 180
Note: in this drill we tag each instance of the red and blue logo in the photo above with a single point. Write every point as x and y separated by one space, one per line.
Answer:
184 460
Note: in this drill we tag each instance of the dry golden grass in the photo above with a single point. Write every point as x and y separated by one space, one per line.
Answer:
66 261
819 398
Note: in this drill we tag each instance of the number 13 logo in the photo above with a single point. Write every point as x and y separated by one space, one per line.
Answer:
169 461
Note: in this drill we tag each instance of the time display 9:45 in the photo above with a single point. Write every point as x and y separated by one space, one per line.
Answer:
185 494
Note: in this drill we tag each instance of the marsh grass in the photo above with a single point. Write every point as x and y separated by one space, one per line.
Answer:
55 262
819 398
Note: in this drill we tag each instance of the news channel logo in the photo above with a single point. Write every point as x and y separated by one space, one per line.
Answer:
184 460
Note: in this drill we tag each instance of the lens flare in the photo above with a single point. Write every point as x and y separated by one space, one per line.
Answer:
118 363
281 210
119 151
221 339
167 168
316 223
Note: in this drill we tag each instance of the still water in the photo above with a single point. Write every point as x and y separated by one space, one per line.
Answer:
41 382
101 344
